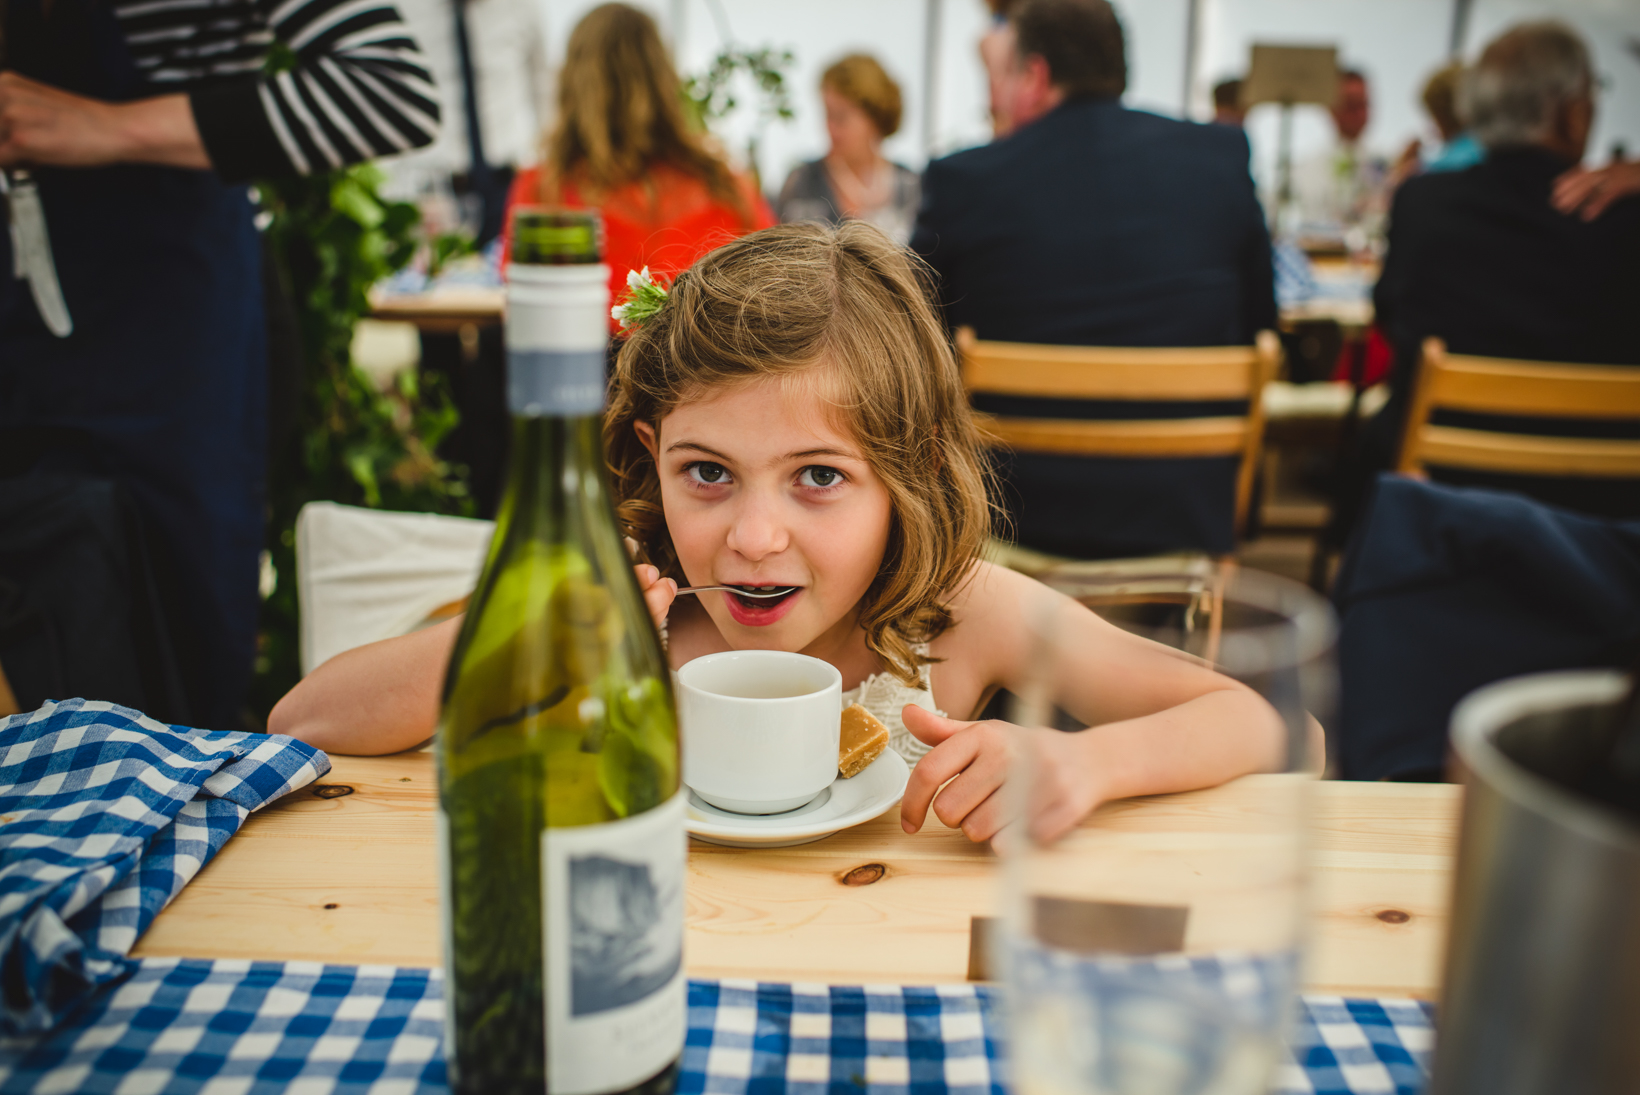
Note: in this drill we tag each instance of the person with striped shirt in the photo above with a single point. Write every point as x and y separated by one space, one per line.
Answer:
139 123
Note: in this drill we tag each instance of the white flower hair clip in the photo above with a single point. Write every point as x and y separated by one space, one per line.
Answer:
645 296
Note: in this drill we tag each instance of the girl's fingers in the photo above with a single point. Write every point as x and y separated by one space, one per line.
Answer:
658 592
936 767
927 727
977 783
1066 789
985 820
1057 818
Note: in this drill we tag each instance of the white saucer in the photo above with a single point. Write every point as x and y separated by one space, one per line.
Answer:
846 802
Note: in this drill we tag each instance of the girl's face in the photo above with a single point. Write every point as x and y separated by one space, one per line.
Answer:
761 488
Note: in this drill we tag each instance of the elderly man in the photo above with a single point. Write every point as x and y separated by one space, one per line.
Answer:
1091 224
1483 259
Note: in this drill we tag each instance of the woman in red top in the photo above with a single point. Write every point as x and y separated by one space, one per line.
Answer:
623 147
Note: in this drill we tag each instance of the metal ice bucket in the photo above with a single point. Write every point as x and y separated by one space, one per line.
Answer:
1542 990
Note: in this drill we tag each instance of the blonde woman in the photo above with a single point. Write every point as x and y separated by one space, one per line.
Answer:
622 146
853 181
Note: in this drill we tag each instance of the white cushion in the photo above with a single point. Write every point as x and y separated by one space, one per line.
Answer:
364 574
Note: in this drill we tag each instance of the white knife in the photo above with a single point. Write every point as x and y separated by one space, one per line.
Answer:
31 250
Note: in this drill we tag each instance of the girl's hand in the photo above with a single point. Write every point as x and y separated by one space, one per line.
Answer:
658 592
975 757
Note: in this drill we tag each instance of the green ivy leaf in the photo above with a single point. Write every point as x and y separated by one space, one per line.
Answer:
348 196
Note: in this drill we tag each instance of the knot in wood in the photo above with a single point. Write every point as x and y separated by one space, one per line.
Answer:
332 790
1394 916
332 905
864 875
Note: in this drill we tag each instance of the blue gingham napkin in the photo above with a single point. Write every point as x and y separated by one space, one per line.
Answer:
105 814
265 1028
1294 275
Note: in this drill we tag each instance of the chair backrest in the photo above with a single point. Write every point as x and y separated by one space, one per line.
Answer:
1181 374
364 575
1537 389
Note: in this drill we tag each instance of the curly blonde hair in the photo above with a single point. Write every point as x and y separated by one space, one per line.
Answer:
798 297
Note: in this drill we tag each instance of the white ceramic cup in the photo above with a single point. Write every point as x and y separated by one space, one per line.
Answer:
760 728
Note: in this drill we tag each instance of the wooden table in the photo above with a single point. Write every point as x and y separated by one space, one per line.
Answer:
353 879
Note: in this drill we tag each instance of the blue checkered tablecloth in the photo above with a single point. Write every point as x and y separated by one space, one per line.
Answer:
105 814
249 1028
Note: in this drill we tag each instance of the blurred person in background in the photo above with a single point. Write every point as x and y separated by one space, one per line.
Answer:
1482 258
1459 148
1346 186
995 49
853 181
140 435
622 146
1227 108
1091 224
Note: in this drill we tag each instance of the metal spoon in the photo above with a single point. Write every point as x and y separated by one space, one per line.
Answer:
773 591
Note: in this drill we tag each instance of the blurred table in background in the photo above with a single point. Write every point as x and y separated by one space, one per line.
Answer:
461 342
442 310
345 871
1337 289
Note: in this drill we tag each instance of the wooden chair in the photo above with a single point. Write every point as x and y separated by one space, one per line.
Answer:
1192 582
1450 382
1140 373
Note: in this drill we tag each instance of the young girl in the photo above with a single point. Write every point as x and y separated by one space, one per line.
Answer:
793 416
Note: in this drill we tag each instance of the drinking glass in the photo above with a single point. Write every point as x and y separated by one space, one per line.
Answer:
1155 948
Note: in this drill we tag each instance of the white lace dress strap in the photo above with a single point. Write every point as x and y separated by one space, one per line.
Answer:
885 697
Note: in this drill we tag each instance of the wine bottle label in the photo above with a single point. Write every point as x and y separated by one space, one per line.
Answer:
612 895
555 382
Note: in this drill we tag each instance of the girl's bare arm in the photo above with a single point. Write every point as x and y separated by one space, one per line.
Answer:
384 697
373 699
1158 721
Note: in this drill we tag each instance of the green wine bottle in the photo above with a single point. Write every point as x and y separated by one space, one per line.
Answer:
561 823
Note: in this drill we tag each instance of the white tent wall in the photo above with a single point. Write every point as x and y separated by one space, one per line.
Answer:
1396 42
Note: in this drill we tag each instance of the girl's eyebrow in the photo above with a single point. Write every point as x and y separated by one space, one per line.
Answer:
695 446
806 453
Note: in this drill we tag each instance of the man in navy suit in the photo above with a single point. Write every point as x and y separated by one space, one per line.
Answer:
1091 224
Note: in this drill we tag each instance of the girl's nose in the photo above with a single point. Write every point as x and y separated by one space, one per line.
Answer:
757 531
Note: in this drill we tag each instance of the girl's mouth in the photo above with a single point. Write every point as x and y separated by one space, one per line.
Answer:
761 611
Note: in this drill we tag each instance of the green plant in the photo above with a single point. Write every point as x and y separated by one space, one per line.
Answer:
710 98
333 236
445 248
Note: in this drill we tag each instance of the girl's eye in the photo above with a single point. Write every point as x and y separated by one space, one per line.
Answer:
816 475
704 471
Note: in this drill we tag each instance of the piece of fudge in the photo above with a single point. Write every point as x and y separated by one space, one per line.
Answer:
863 741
